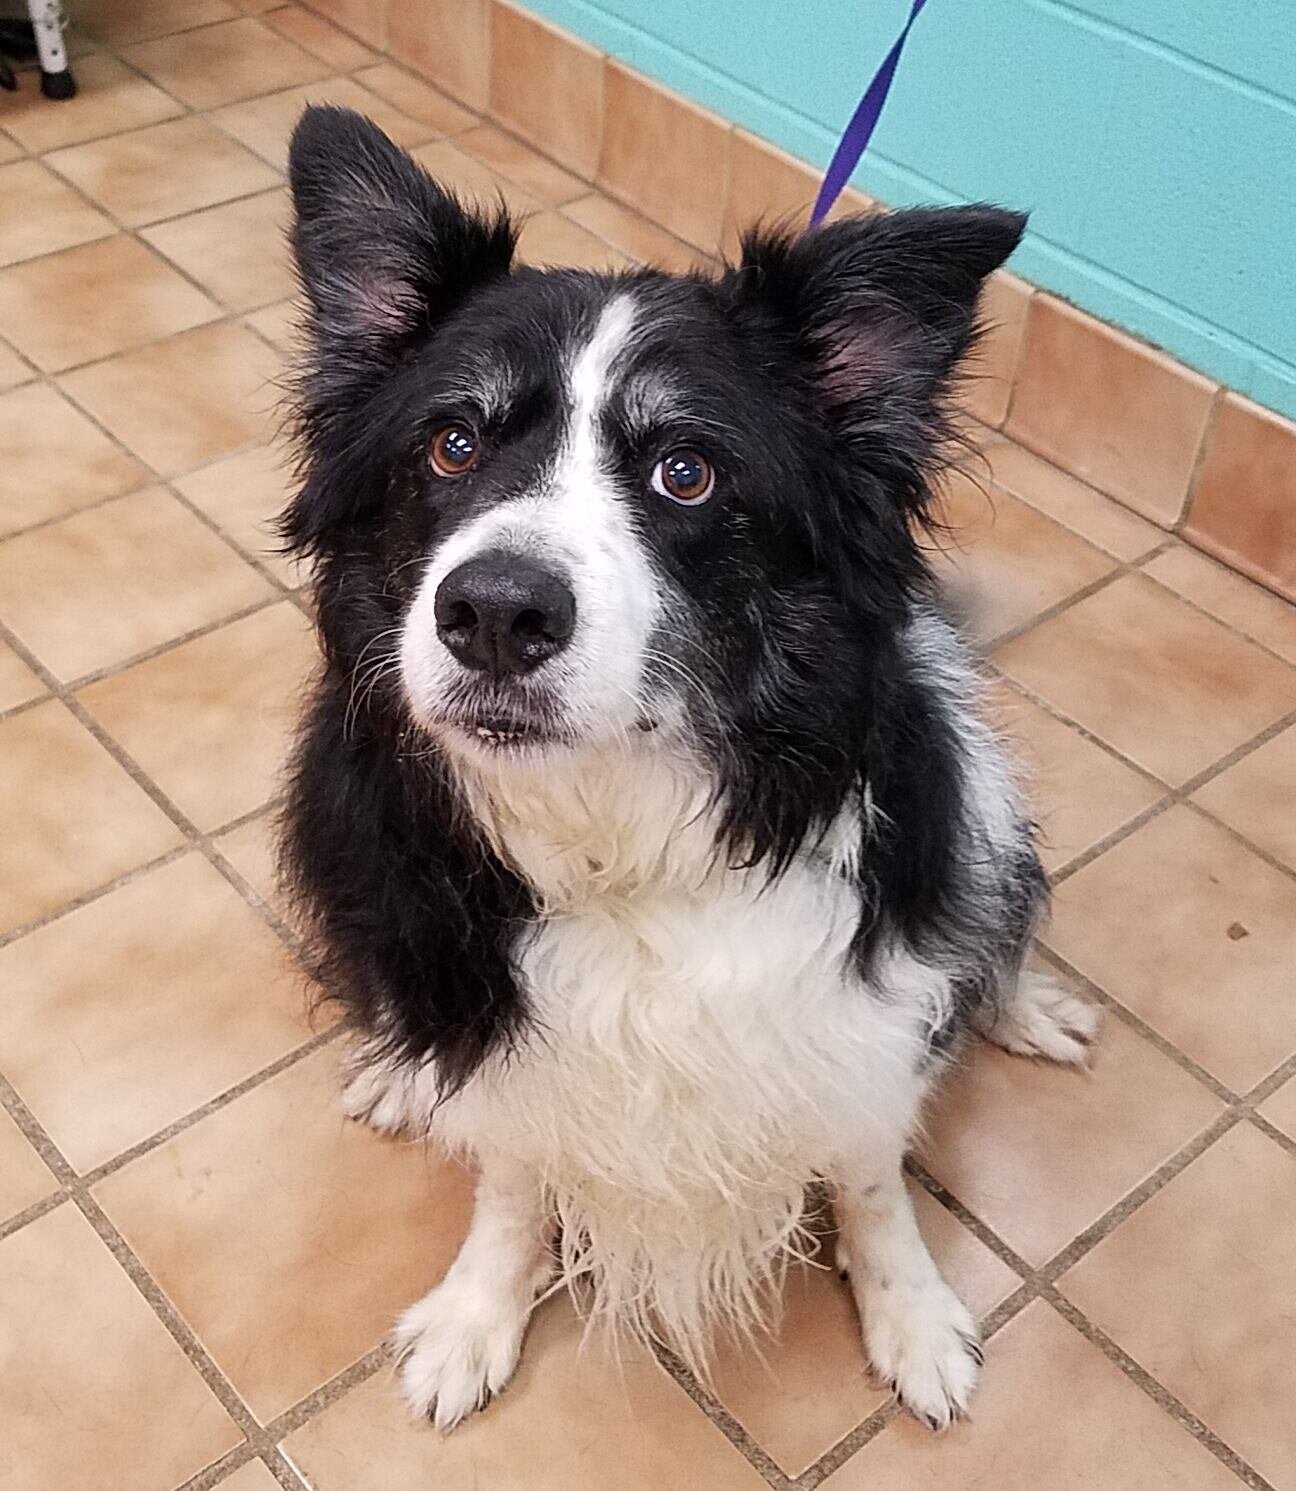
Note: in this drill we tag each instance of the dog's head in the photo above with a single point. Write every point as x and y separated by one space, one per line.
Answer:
576 509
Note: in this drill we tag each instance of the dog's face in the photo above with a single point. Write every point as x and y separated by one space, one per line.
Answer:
586 509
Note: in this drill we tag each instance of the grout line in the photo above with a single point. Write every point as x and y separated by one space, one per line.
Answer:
1136 1023
848 1445
1199 458
720 1416
1085 1242
1272 1131
1159 1394
258 1078
1049 613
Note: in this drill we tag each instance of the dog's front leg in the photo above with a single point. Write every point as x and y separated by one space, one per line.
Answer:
460 1343
918 1334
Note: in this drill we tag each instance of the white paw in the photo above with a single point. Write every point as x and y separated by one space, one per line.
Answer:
457 1348
1043 1018
380 1094
922 1342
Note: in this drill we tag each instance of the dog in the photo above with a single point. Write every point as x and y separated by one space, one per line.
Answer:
643 818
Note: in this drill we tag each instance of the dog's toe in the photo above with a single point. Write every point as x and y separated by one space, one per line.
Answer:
457 1351
923 1343
1043 1018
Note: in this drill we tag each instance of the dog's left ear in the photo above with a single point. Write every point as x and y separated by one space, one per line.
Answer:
382 250
880 308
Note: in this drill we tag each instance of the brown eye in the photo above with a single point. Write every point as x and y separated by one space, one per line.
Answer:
454 450
684 476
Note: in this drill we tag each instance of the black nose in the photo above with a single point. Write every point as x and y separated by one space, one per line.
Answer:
504 613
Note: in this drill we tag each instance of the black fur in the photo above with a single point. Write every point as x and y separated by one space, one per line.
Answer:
816 373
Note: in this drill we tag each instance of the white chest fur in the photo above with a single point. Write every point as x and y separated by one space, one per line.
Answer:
700 1045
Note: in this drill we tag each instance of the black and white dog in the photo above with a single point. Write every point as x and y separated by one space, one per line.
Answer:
643 817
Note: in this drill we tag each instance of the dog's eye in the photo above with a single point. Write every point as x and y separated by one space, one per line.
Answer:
454 450
684 476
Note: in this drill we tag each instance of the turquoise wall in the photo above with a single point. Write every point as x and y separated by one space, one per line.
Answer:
1154 141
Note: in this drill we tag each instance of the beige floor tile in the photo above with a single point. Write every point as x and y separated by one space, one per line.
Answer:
93 1391
55 459
110 98
473 179
632 234
238 251
102 586
55 310
1168 687
9 149
265 125
18 684
1242 604
13 370
121 21
285 1274
319 37
1002 1136
1196 935
1006 561
149 174
552 240
1256 796
532 171
1052 1412
1189 1284
251 1477
571 1420
182 403
1083 510
278 324
74 820
1280 1109
53 216
1077 792
236 689
24 1180
414 98
226 63
799 1394
133 1010
243 495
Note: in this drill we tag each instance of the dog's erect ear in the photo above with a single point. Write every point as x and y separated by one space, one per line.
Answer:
880 309
381 249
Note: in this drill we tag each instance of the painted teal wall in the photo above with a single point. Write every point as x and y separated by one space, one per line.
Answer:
1154 141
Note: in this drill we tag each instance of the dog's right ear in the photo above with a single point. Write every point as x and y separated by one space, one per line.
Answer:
382 251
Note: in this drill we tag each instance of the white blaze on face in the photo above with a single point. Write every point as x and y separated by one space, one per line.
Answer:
574 519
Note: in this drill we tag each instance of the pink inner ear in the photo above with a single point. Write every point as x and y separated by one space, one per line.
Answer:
856 355
379 305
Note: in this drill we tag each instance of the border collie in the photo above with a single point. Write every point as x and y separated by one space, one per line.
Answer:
644 819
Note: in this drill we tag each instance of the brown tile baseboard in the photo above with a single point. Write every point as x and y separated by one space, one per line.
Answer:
1102 406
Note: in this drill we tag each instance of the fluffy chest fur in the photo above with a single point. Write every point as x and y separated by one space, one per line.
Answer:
699 1042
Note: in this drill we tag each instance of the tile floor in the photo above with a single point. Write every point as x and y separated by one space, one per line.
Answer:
199 1259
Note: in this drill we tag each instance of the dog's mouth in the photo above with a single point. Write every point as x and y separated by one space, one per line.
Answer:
498 733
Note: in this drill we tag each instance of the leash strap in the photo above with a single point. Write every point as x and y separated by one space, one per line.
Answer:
859 131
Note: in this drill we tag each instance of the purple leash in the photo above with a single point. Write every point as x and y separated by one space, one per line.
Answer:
859 131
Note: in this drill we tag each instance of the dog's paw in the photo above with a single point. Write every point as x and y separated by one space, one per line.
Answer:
922 1342
457 1349
1045 1019
380 1094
